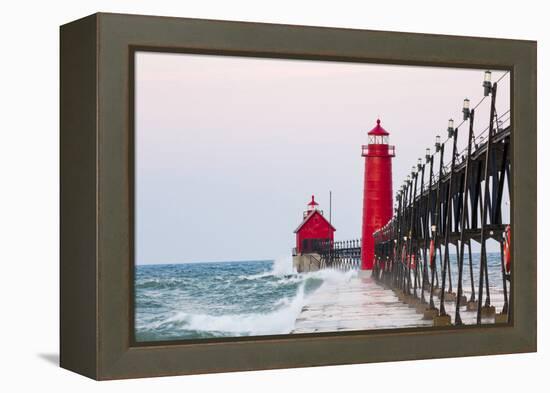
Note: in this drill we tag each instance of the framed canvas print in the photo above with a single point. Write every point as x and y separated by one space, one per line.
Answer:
241 196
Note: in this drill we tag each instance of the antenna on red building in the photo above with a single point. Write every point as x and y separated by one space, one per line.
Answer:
330 207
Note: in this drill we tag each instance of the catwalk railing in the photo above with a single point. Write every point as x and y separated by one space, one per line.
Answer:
342 255
465 202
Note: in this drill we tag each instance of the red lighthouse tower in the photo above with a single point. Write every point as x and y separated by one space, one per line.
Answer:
377 192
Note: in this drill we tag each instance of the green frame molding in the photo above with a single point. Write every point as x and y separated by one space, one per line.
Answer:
96 143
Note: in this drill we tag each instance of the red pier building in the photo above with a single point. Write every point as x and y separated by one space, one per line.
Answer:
314 228
377 191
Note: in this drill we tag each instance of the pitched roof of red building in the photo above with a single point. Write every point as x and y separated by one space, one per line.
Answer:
309 216
378 130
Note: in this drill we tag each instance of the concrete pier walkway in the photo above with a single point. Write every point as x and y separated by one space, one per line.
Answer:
364 304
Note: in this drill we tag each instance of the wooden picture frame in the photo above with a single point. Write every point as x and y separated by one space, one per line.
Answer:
97 195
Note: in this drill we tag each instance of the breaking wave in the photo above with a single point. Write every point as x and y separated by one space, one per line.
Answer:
252 299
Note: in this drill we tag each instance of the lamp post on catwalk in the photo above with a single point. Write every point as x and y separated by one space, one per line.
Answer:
377 190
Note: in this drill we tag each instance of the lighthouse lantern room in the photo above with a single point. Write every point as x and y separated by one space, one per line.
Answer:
315 228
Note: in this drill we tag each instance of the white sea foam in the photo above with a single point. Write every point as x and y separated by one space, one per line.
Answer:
332 276
283 266
280 321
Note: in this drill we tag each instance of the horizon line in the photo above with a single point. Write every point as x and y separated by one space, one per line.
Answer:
199 262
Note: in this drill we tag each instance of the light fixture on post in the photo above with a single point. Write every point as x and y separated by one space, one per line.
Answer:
428 155
466 109
419 164
487 83
451 128
437 143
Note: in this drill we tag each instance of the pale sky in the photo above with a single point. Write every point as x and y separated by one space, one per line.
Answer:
229 149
